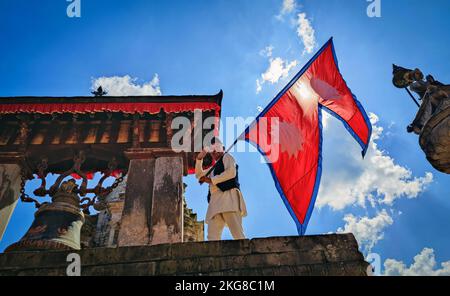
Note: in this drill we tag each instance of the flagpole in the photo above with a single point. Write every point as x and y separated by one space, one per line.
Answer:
412 97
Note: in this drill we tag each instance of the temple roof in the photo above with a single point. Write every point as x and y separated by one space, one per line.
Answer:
123 104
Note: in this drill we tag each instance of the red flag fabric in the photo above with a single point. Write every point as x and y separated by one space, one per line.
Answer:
288 132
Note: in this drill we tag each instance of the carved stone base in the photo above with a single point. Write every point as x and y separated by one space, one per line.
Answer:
36 245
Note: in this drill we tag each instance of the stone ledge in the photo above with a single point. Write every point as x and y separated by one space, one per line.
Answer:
335 254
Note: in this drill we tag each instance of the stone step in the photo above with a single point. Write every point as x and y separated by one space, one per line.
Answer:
323 254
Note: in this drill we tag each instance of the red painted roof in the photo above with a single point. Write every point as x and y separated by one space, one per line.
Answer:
132 104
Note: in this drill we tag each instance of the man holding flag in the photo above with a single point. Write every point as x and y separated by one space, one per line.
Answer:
226 204
296 111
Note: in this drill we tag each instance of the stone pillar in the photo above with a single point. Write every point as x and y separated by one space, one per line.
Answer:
135 221
167 205
9 193
153 208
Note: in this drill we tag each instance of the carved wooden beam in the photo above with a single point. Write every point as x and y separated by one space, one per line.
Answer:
135 136
76 134
169 130
24 131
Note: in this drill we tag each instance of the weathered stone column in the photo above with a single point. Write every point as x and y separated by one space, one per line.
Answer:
167 205
9 193
135 221
153 208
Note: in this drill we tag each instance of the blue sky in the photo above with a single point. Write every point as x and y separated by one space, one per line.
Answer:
390 199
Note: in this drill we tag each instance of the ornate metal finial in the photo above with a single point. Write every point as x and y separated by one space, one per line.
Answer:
99 92
68 186
432 121
404 77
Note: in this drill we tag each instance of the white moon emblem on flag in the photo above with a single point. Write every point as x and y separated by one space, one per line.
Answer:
324 90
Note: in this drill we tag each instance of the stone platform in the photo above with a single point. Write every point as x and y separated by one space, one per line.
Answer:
335 254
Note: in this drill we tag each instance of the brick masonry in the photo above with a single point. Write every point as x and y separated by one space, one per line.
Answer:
335 254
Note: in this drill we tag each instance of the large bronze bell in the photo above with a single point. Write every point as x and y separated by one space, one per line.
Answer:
57 225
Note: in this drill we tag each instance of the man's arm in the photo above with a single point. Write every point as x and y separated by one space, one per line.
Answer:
229 172
199 172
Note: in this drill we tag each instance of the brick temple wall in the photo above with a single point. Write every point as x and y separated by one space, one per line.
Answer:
335 254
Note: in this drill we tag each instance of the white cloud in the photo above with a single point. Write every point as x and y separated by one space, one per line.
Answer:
267 51
258 86
367 231
277 69
326 117
375 180
424 265
127 86
306 33
288 6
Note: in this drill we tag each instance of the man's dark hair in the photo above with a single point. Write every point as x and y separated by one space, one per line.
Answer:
215 140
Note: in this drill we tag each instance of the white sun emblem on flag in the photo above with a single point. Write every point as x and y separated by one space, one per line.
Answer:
308 90
290 139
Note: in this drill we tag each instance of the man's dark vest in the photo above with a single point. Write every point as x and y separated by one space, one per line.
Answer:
226 185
